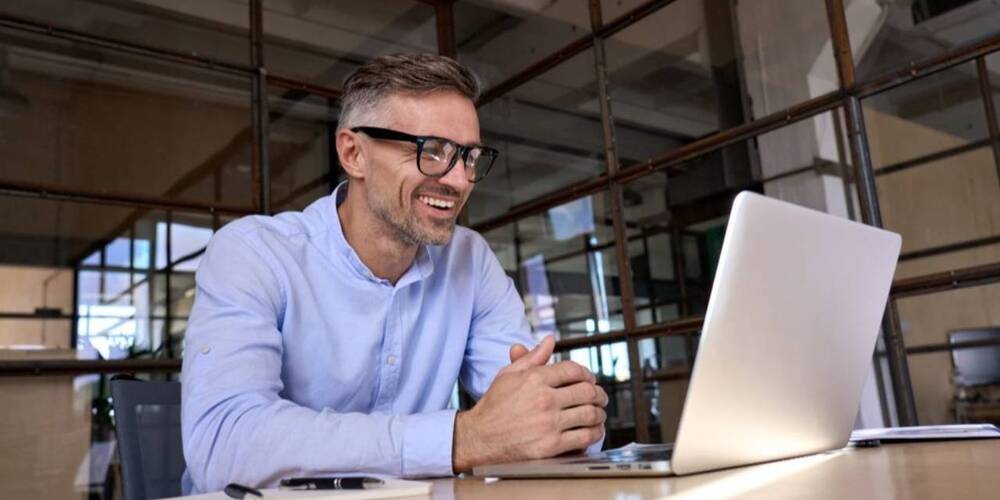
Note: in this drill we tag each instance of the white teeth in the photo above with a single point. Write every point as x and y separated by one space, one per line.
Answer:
434 202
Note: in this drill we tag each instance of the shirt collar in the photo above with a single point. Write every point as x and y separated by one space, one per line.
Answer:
423 264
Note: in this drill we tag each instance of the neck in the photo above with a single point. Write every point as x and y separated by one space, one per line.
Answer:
373 240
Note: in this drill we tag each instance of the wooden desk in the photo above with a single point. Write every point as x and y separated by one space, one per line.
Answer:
949 470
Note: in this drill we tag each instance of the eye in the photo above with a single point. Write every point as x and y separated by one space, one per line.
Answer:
433 151
473 155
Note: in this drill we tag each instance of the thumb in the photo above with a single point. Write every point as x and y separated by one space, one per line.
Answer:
536 357
517 351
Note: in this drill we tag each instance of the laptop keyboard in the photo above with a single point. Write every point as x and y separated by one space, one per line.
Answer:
648 453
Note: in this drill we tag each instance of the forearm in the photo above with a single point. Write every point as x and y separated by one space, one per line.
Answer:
258 444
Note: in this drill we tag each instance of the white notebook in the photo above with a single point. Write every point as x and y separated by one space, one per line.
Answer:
392 488
927 433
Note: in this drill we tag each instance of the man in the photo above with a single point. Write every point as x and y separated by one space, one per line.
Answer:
329 341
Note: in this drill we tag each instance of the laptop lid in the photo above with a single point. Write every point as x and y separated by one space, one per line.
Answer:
788 336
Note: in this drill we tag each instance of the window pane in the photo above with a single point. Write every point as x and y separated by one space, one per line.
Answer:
322 42
117 253
936 113
303 156
216 29
947 201
188 241
503 244
111 306
931 320
189 235
84 118
182 294
888 36
672 268
566 269
785 63
54 233
41 292
114 304
672 78
501 39
549 135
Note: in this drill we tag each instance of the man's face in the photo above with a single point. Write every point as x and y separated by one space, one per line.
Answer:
420 209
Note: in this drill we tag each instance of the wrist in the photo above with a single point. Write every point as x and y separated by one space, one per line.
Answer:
461 456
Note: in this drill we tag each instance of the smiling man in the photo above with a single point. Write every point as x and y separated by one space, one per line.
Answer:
328 341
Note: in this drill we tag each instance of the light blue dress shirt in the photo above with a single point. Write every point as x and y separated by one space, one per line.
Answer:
299 361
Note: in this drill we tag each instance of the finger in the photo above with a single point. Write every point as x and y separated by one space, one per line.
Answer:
579 438
565 373
581 416
538 356
602 400
580 393
517 351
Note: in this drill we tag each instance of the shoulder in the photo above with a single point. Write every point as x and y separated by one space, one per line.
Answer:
282 228
262 228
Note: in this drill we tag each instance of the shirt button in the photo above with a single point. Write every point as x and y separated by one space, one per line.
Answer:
206 350
391 360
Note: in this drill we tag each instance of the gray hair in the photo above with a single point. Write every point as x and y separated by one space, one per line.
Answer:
367 87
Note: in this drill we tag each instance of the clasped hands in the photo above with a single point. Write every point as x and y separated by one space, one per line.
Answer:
532 410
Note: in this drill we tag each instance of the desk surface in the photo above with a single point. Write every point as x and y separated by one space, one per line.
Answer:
949 470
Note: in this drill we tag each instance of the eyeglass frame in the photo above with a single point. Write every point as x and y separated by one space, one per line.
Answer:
461 150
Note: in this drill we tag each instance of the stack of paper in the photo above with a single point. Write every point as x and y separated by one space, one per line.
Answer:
927 433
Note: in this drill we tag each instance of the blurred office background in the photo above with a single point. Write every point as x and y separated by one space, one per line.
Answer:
131 130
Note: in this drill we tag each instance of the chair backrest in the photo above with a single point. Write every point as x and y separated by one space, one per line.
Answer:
976 365
148 427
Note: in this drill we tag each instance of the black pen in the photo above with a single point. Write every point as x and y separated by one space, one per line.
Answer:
236 490
332 483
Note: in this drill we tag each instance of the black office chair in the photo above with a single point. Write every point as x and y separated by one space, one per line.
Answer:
975 366
148 427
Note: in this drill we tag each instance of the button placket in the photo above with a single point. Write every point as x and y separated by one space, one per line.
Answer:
385 387
390 357
393 358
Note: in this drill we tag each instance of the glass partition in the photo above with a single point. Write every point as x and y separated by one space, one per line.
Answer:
549 135
322 42
784 62
214 29
945 381
500 39
304 164
102 121
919 119
890 36
673 79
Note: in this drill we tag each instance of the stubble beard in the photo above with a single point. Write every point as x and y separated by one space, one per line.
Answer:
405 227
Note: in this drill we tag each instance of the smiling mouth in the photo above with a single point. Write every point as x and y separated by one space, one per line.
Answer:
439 204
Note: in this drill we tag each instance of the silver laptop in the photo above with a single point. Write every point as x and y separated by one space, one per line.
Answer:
785 348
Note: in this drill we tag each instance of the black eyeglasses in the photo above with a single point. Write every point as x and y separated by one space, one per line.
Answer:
436 156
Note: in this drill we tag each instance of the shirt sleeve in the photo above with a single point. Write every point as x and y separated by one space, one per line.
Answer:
235 425
498 322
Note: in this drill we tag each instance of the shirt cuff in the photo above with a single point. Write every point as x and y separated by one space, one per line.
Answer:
596 447
427 442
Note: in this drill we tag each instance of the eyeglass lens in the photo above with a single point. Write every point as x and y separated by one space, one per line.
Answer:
437 156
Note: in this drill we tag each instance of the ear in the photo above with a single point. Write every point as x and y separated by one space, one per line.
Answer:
351 153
